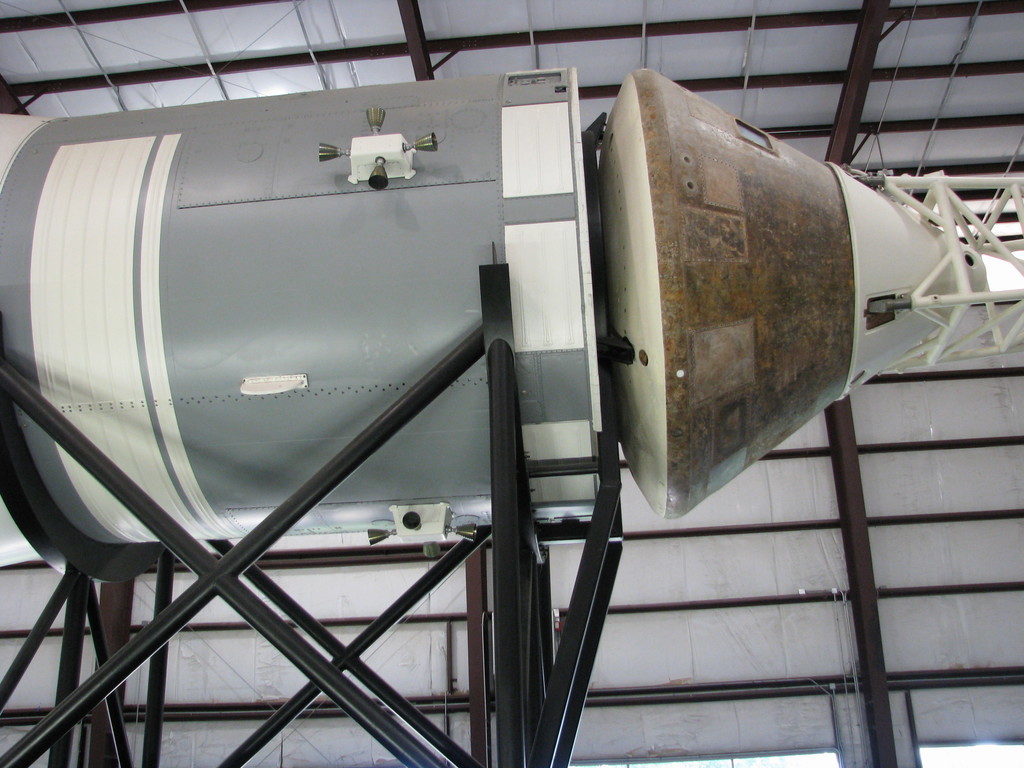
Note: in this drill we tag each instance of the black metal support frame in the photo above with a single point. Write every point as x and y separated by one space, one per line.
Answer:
114 707
221 577
152 736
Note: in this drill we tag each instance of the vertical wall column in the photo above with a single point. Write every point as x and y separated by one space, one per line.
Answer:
842 436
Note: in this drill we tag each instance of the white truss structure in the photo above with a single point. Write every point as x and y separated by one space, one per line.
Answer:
968 236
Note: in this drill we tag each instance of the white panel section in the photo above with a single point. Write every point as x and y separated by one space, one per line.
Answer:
765 492
536 150
921 555
944 481
587 283
361 594
706 729
559 440
707 646
241 665
547 306
14 548
715 567
83 319
15 130
970 714
939 410
953 631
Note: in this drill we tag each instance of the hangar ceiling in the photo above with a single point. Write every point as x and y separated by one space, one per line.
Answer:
740 628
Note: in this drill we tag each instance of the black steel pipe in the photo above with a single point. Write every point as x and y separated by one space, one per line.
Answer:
570 675
588 652
509 640
373 682
115 709
371 634
28 649
156 685
70 667
211 581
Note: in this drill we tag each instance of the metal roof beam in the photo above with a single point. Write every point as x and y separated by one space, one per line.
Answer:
416 39
10 104
540 37
118 13
789 80
802 79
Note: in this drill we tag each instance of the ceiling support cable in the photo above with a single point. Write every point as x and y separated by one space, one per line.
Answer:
643 39
746 61
842 436
949 85
320 72
416 39
885 105
92 55
344 43
205 50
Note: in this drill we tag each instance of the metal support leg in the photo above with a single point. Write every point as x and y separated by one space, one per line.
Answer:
156 685
218 577
70 663
574 708
509 639
371 634
541 640
574 662
35 638
477 651
115 710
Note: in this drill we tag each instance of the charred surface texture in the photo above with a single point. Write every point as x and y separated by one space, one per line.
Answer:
756 277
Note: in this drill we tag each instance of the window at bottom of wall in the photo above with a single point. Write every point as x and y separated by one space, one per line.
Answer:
802 760
987 755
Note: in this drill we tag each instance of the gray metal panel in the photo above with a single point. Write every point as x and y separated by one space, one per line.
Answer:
362 294
553 386
276 157
540 208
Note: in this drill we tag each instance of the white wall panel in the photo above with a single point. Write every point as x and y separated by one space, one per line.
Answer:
939 410
720 645
239 665
708 568
948 553
350 592
39 684
953 631
969 714
335 742
687 730
944 481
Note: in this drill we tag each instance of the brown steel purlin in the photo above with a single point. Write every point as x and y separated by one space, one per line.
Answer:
858 78
9 103
416 39
797 79
477 655
116 615
861 576
545 37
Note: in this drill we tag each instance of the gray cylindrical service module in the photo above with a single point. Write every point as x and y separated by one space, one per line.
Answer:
220 311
